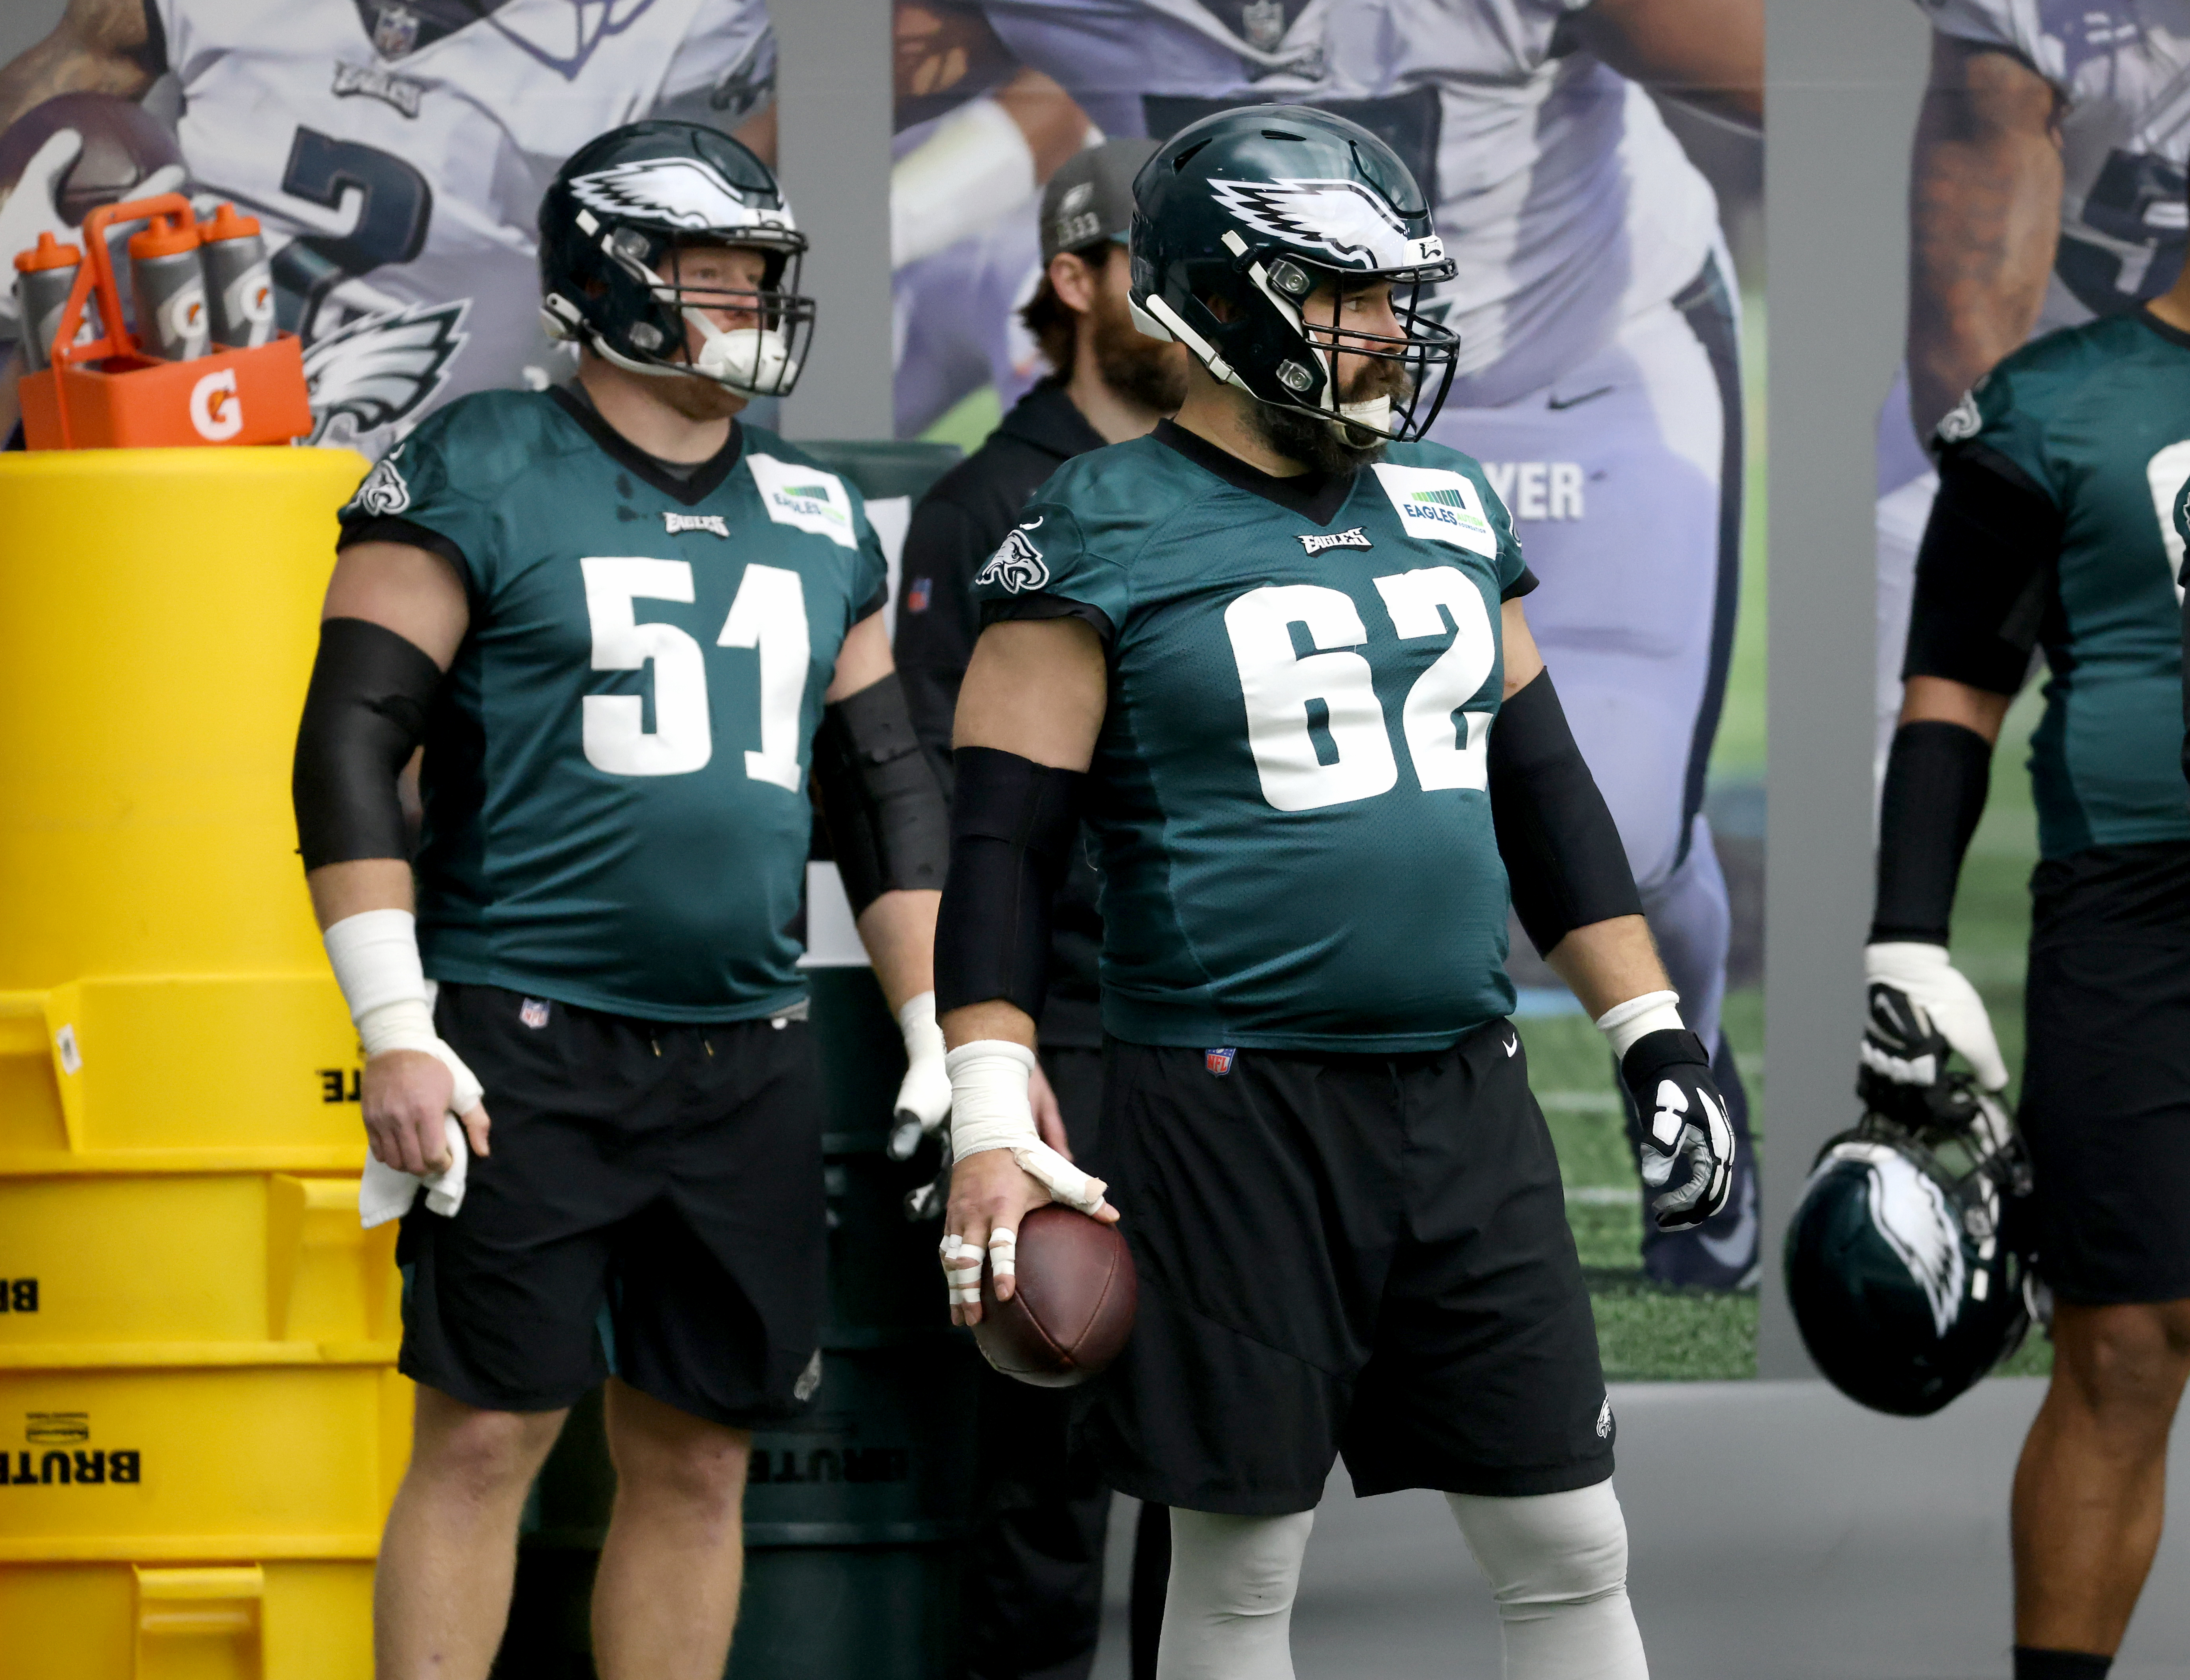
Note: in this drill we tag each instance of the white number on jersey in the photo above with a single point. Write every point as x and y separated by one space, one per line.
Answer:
2166 473
769 614
1285 691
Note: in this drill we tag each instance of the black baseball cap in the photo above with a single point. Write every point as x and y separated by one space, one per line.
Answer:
1089 199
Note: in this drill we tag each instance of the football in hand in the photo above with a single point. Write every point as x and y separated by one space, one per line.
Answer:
122 143
1073 1308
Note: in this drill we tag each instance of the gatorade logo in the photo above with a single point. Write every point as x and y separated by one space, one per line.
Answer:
216 411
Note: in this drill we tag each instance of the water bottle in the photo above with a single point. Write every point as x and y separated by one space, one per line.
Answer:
44 275
238 281
170 289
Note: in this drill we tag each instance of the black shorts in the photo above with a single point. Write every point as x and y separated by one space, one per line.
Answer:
651 1206
1357 1254
2106 1081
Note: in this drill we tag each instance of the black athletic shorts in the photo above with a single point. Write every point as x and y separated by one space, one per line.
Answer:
1357 1254
651 1206
2105 1081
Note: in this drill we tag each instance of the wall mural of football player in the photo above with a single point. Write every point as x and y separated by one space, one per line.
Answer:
395 152
1598 375
2046 189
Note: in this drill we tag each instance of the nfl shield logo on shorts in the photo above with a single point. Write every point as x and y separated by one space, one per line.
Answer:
1219 1062
533 1012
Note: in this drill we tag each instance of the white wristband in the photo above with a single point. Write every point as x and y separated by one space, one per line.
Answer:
989 1111
375 954
1624 1024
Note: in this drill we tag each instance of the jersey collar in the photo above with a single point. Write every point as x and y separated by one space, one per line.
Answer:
696 487
1314 496
2173 335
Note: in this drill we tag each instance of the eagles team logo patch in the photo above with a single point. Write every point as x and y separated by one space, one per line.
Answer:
683 192
677 524
384 491
1604 1420
1962 422
1341 217
805 496
1315 541
1016 565
1440 505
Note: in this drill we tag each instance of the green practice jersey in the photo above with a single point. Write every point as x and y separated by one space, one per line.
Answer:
2097 419
615 780
1288 791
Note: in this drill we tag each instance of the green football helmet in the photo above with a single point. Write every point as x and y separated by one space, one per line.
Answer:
627 199
1255 207
1908 1262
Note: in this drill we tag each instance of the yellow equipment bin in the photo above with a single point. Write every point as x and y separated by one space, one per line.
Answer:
201 1426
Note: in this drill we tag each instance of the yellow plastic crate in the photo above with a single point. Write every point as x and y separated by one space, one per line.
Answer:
270 1620
180 1073
191 1269
180 1466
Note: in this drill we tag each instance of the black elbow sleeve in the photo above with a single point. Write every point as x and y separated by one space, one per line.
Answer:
1936 776
365 714
886 824
1564 862
1013 823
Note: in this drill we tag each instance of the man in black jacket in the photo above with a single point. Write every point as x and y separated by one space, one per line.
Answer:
1033 1582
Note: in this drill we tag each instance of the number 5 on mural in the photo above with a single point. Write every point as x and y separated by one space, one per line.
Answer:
1288 694
768 615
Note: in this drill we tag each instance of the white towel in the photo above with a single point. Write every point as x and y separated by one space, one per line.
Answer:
386 1192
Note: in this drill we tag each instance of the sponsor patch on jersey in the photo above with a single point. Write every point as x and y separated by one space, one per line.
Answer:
683 192
384 491
1341 217
1316 542
676 524
805 496
1219 1062
1440 505
1016 565
379 369
1962 422
355 81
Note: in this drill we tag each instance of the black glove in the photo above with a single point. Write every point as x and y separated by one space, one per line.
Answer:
1687 1143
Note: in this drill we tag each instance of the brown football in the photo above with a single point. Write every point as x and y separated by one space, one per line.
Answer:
1073 1308
122 143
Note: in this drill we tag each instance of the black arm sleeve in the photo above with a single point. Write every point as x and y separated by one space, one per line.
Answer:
364 714
1985 574
885 814
1564 857
1012 825
1936 776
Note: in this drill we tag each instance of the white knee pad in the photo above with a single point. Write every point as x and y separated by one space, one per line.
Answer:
1558 1563
1229 1612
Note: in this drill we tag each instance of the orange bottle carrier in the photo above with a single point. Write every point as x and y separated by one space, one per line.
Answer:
107 392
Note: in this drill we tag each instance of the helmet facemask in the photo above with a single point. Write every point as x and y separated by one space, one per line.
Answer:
760 356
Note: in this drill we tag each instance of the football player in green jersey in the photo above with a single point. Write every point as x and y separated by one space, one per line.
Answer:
2056 531
1276 652
626 627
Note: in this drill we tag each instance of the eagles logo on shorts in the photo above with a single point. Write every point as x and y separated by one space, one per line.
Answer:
1016 564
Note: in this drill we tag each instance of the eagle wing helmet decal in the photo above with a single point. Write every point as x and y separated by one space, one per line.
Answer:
678 192
380 368
1341 216
1911 1213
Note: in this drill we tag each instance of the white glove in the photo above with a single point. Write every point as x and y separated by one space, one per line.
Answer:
923 1096
989 1111
30 210
1915 995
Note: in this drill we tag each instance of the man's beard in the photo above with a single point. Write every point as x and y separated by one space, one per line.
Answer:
1142 370
1326 444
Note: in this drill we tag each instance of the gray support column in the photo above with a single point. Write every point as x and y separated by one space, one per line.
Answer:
833 93
1845 76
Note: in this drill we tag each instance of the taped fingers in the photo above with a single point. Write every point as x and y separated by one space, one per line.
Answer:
961 1272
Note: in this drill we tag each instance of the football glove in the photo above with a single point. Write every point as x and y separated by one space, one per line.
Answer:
1688 1142
1920 1008
923 1096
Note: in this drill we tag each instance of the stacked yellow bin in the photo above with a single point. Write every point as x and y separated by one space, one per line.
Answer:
200 1424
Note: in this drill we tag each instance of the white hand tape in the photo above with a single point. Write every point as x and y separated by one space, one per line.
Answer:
1624 1023
989 1111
